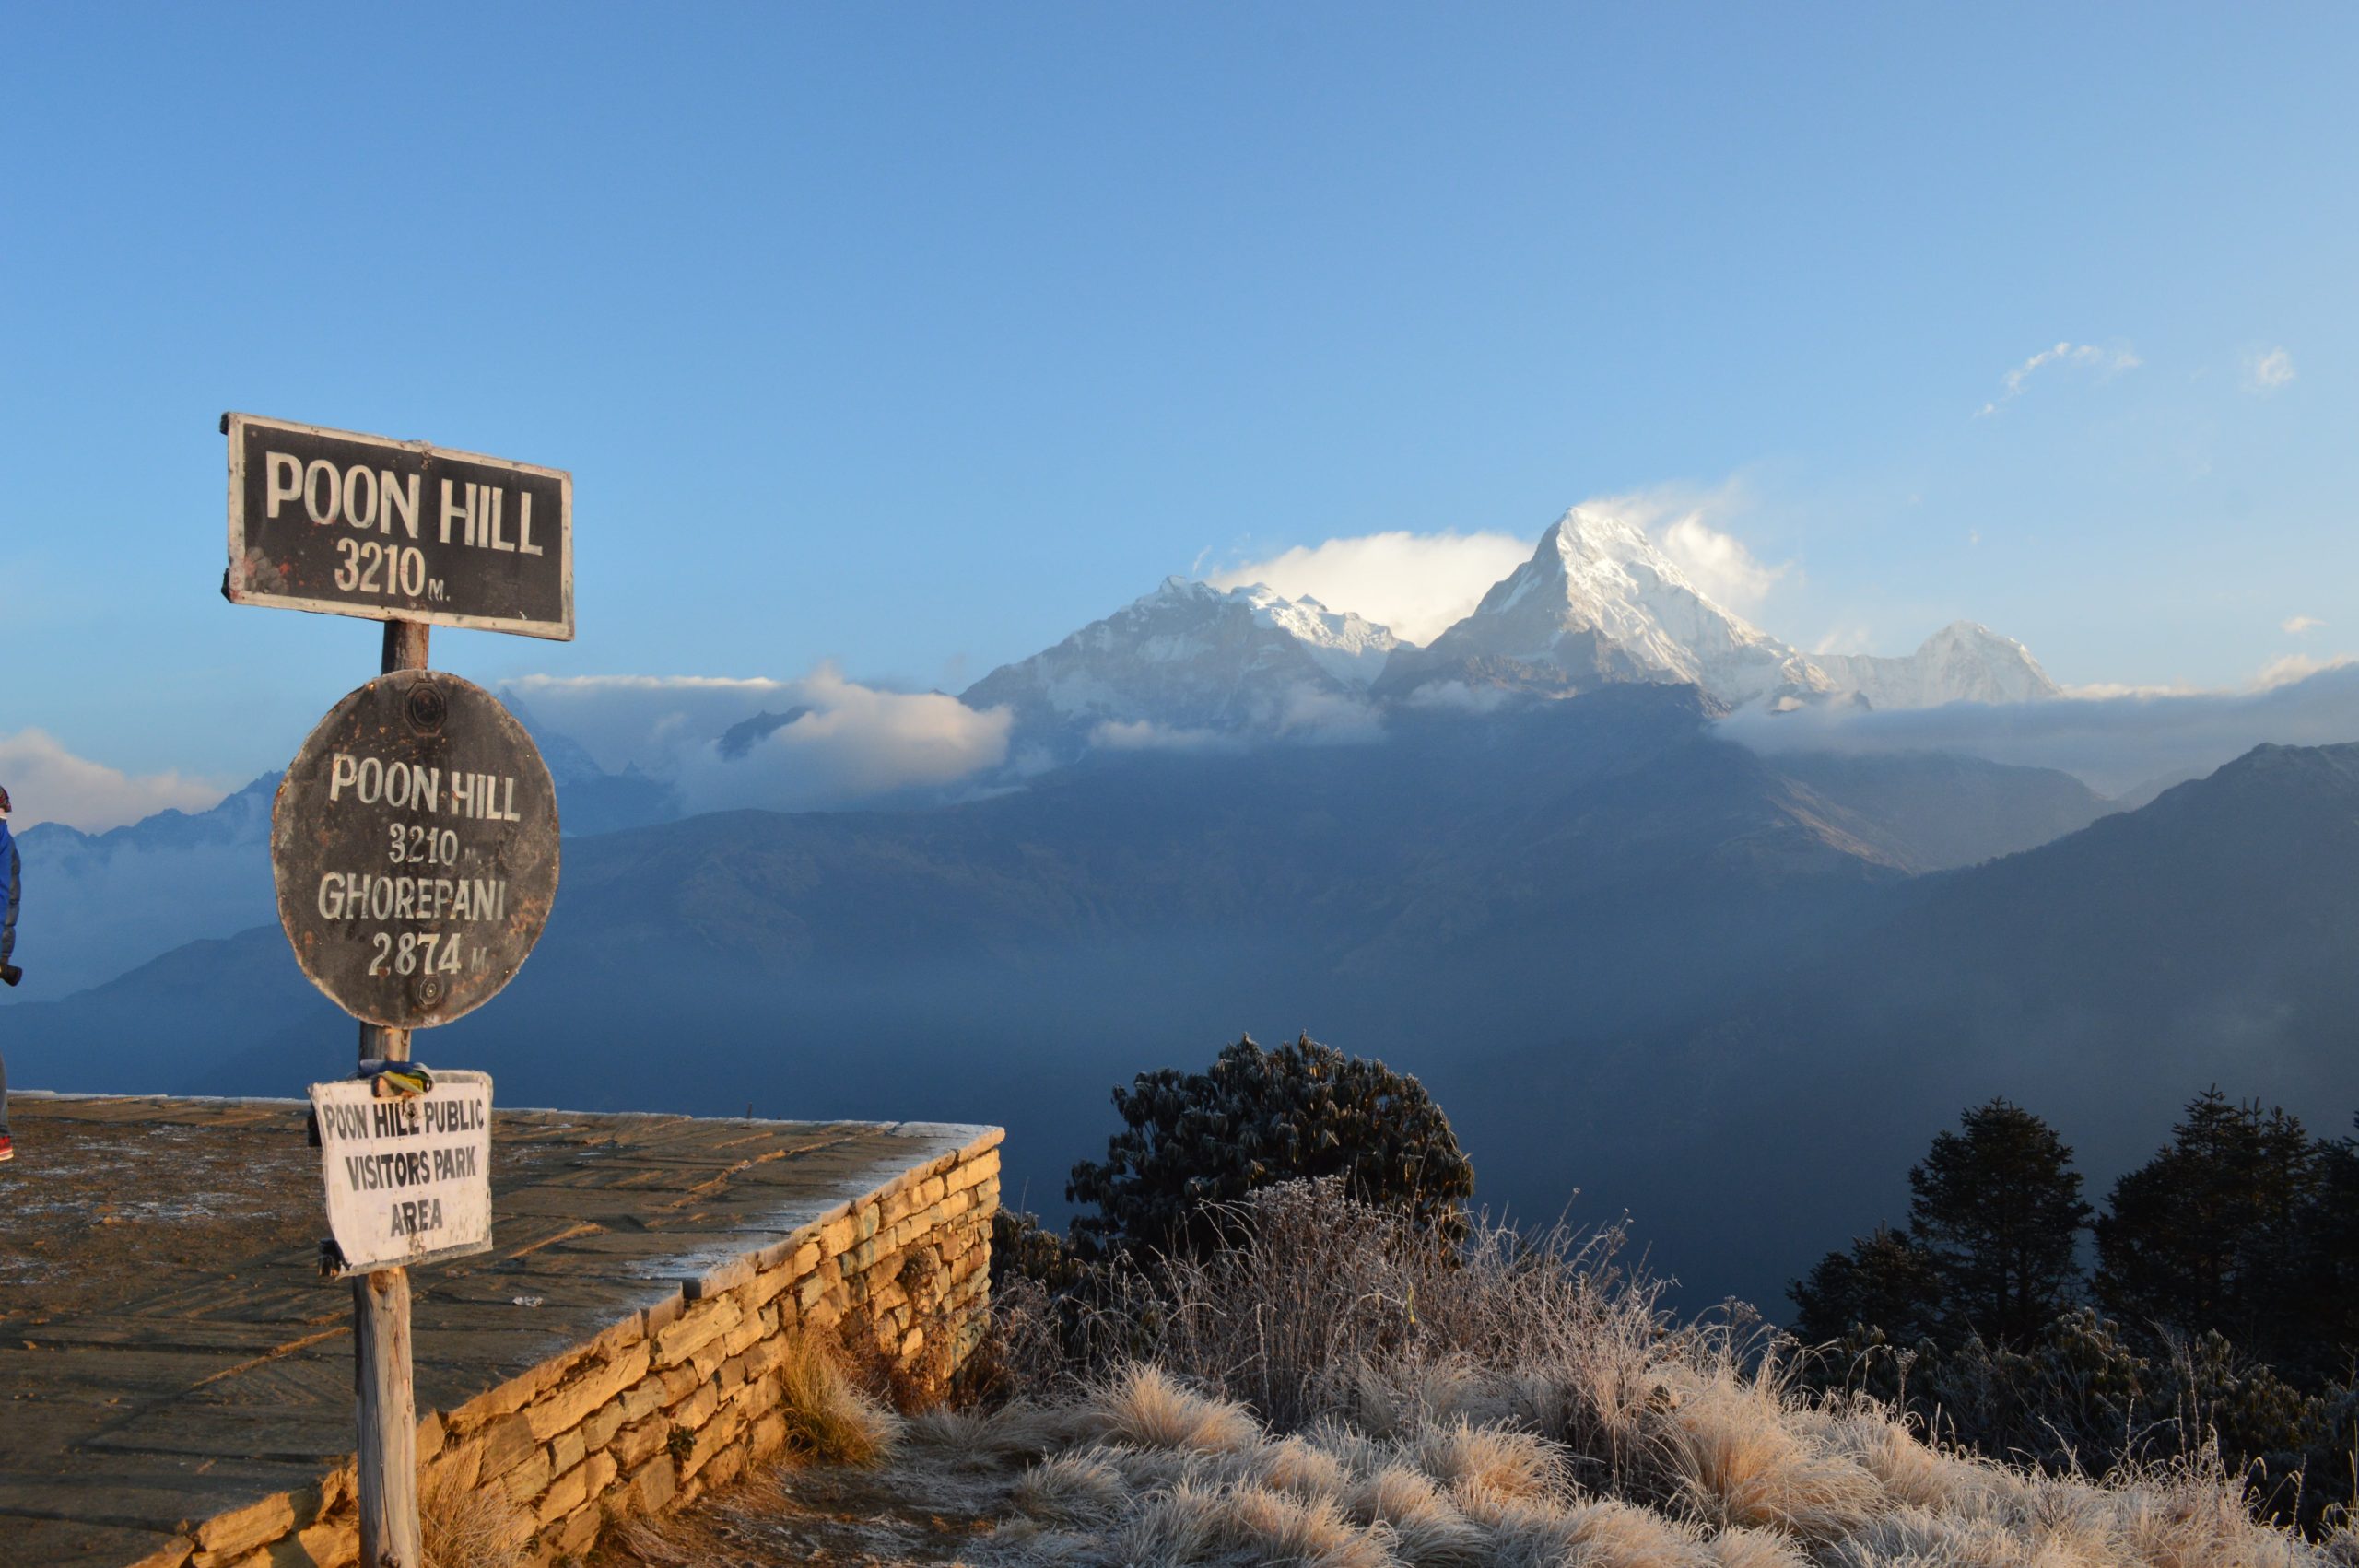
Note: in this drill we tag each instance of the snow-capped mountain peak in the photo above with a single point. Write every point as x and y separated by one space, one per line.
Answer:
1600 602
1347 646
1174 617
1964 661
1189 657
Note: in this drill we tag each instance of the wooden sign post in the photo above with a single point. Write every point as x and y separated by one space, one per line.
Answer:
414 839
383 1385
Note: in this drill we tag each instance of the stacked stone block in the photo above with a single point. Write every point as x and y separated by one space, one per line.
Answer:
680 1397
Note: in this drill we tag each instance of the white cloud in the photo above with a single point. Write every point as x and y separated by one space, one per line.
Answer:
2106 691
1458 696
2296 667
1328 718
1718 563
1679 518
1146 735
1846 640
1421 584
47 783
856 743
2294 625
2111 738
644 721
2267 372
1418 584
850 743
1307 719
2072 356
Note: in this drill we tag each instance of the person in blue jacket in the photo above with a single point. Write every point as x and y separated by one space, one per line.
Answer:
12 883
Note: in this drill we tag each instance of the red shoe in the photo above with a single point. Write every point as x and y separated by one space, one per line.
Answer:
7 1147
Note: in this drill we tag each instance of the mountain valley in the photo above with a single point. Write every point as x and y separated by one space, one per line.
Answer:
1527 862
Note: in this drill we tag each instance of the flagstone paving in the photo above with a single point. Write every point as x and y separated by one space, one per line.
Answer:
168 1350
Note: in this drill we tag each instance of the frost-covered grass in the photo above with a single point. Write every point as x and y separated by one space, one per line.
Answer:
1739 1474
1343 1393
1346 1390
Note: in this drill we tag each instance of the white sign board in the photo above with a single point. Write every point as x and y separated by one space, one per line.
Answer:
408 1181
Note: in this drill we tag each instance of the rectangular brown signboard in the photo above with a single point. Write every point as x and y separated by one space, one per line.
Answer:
396 531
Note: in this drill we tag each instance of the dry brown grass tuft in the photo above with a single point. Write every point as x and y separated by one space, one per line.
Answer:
1274 1526
1754 1548
1148 1408
1080 1489
1298 1466
1176 1526
1494 1459
1613 1534
1429 1530
990 1439
471 1527
1744 1461
827 1418
1196 1523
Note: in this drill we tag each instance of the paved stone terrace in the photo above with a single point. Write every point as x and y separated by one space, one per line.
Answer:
170 1354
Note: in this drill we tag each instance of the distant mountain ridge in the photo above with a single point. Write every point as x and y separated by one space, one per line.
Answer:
1597 603
1964 661
96 903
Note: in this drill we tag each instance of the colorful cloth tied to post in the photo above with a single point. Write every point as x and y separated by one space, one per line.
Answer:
400 1080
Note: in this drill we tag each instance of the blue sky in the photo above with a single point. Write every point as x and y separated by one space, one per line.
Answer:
912 338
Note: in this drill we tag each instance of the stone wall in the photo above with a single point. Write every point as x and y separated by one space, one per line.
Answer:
672 1400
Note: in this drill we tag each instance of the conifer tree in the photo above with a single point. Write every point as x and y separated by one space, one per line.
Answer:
1990 1248
1997 1206
2209 1234
1886 1284
2331 1255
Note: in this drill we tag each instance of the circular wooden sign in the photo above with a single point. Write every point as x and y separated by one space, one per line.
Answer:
414 845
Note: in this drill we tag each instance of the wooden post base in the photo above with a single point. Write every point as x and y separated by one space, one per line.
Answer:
388 1424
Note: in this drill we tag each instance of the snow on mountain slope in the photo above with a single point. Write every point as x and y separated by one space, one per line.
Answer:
1189 658
1597 602
1962 662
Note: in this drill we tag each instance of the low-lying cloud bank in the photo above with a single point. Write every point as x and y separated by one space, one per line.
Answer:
797 746
47 783
2112 743
1306 717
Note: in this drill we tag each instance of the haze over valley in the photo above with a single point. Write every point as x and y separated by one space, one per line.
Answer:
1642 893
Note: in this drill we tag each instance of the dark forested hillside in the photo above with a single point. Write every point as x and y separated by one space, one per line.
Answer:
2208 938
